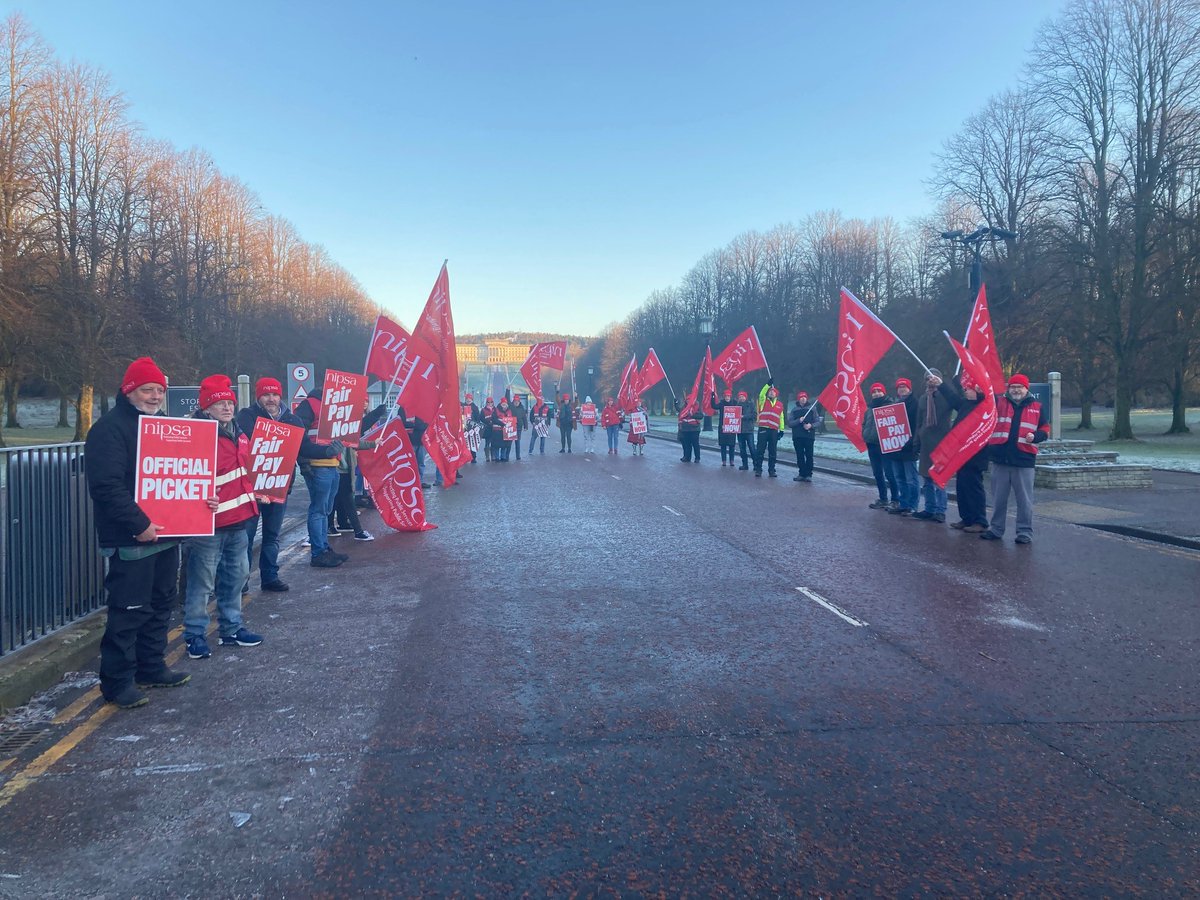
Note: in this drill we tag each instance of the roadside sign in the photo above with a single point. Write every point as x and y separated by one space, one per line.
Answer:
182 401
301 380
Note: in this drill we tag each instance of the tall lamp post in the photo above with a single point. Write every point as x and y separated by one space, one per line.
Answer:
706 327
974 241
591 371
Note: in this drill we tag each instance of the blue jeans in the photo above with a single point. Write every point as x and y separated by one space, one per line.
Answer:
268 555
534 439
884 479
935 497
614 434
908 482
322 484
215 563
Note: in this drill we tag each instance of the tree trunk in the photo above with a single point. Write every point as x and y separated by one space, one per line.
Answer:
1178 407
103 402
1122 427
83 412
12 394
63 404
3 383
1085 416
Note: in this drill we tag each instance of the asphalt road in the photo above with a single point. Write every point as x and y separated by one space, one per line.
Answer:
601 676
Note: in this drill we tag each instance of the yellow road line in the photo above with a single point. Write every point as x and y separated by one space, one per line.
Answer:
8 762
69 712
39 766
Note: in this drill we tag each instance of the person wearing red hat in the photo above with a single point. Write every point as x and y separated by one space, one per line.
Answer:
143 571
610 418
885 481
804 420
1021 424
268 404
903 462
520 412
539 426
690 420
589 418
219 563
726 441
637 440
472 424
566 422
745 445
770 425
322 479
489 417
934 409
968 481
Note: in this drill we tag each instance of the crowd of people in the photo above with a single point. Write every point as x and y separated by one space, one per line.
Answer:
143 570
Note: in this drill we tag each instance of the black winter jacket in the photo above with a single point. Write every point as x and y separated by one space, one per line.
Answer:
110 462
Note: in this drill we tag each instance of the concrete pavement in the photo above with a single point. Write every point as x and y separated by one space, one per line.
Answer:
601 675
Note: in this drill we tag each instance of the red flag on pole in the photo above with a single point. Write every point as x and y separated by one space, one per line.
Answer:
391 471
702 389
862 340
443 438
971 432
744 354
407 364
629 386
652 372
551 355
981 340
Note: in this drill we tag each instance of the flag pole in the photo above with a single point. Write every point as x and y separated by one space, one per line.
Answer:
768 365
967 334
882 324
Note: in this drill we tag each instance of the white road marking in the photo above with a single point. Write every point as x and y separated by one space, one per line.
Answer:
817 598
618 477
672 511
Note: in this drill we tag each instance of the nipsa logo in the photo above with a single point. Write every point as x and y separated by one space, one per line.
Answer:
176 430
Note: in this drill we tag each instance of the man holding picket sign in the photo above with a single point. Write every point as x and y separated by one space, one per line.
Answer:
321 477
143 571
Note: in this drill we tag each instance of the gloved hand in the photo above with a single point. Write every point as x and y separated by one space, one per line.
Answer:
336 447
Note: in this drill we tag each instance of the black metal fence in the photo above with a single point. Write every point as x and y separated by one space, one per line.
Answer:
50 570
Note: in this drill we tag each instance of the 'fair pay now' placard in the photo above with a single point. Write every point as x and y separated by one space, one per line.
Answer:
891 422
342 403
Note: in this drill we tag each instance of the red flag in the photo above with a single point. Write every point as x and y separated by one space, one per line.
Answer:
744 354
971 432
702 388
551 354
391 471
982 340
652 372
409 364
629 386
862 340
443 438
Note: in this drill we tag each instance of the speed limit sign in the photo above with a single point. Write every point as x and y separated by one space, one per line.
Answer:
300 383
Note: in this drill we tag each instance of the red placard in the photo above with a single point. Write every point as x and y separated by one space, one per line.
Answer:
587 414
510 427
274 447
176 474
342 402
891 421
731 420
637 423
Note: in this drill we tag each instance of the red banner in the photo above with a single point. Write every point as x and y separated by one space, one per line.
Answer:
408 365
274 447
391 471
443 438
176 474
731 419
862 340
342 405
981 341
893 427
971 432
744 354
628 392
652 372
702 389
550 355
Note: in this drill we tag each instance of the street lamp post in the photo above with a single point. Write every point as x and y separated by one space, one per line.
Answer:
974 241
591 371
706 327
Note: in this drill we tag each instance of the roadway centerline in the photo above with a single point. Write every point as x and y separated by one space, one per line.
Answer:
818 599
673 512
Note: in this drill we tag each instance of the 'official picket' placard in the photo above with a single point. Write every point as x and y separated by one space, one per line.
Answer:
177 473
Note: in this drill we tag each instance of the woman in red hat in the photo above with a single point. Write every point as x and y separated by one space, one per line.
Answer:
903 462
638 440
885 481
566 422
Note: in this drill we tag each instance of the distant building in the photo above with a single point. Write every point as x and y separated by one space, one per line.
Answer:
494 352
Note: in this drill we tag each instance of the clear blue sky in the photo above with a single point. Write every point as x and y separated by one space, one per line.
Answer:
567 158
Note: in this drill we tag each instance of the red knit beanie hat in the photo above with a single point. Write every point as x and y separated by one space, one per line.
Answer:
877 386
801 395
215 388
903 382
142 371
267 386
1019 379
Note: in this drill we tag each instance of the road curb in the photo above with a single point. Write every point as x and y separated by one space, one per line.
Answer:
42 664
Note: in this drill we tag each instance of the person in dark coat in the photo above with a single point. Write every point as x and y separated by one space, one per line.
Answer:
539 425
566 422
473 421
726 442
691 419
903 462
968 483
520 412
804 420
934 411
488 419
143 571
749 416
1021 424
885 481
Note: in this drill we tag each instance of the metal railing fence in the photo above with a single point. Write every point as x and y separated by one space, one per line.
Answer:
51 572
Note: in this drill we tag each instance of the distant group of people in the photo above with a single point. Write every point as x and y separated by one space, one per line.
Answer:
760 426
497 428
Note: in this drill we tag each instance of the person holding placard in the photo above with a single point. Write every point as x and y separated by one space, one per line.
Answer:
745 445
520 413
726 439
321 477
539 426
610 418
504 430
903 462
219 562
142 572
588 417
566 422
885 481
471 420
638 424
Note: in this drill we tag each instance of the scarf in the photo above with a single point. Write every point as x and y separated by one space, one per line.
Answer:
930 407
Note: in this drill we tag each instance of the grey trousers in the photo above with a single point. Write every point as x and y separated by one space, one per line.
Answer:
1020 481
